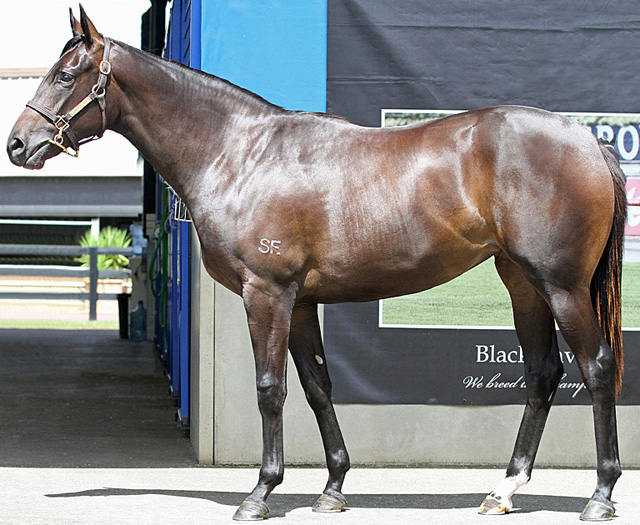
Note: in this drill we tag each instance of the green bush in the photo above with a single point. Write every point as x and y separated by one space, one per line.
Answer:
109 237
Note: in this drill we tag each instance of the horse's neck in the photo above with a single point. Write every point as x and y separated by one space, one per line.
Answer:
178 119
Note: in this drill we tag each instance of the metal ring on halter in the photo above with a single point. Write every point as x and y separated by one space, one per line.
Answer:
99 91
61 125
105 67
58 141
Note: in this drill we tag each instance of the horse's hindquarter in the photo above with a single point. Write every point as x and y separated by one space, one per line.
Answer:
552 194
416 207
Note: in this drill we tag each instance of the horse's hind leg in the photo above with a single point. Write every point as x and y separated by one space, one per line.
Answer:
576 318
305 345
542 369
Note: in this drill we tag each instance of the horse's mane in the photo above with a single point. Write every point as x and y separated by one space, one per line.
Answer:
219 82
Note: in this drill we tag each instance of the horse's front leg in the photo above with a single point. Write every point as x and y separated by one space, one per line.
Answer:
305 345
269 316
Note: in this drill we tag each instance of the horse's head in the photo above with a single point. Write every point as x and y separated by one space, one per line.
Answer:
69 107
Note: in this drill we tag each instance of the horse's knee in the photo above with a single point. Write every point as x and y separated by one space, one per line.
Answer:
271 395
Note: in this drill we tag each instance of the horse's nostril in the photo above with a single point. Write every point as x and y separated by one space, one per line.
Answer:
16 149
15 146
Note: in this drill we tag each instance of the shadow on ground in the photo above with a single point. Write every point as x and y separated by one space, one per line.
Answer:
281 504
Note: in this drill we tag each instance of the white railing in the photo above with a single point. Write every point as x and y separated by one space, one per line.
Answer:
57 271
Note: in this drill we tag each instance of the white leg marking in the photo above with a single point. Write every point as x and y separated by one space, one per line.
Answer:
499 501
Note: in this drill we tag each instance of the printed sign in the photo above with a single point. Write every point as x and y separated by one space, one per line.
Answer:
455 344
410 350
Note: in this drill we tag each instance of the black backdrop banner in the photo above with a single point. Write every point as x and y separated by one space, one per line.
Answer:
560 56
573 57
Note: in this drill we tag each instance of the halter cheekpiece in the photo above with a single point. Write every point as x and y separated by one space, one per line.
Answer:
63 122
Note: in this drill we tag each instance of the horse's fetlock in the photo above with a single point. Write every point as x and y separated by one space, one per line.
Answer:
339 461
609 471
272 475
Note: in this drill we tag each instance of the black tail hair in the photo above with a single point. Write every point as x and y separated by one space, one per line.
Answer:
606 283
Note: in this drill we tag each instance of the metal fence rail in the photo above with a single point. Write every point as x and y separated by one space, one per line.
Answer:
92 272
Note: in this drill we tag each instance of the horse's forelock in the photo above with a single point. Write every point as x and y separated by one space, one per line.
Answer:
72 43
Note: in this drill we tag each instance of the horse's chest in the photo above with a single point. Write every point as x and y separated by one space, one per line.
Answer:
218 256
221 268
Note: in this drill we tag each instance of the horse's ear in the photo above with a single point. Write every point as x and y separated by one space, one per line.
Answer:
76 28
88 29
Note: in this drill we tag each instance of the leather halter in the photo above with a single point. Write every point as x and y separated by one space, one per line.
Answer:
63 122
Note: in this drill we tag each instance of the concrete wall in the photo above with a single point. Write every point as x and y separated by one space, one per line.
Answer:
375 434
202 352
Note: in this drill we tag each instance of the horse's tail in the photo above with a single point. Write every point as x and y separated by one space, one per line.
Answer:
606 283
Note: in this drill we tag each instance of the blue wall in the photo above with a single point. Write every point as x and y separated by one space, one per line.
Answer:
275 48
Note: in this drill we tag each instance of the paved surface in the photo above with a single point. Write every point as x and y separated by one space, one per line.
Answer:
85 398
88 437
376 496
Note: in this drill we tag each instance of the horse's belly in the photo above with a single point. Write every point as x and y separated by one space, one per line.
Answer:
372 279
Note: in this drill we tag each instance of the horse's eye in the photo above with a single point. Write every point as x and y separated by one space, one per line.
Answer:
65 78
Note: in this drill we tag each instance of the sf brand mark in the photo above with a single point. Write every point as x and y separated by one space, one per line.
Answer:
269 247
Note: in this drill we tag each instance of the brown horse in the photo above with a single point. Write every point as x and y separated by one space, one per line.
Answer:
294 209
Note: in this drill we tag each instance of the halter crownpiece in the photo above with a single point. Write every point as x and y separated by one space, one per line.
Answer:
63 122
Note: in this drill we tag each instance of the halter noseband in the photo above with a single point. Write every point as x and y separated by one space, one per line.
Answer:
63 122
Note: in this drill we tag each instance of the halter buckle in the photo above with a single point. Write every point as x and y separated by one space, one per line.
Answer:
105 67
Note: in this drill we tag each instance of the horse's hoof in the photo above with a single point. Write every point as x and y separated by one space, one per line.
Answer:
250 510
492 506
328 503
597 511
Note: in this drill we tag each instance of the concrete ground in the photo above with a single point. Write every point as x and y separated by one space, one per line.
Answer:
85 398
376 496
89 438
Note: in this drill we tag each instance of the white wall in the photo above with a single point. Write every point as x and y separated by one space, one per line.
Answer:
33 32
32 35
201 345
